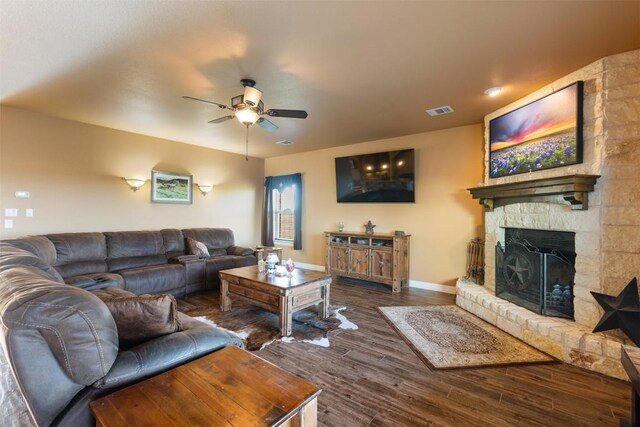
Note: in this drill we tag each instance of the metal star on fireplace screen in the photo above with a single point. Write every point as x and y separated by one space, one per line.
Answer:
517 270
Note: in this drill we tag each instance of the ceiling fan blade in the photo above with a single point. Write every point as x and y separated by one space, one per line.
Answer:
294 114
221 119
208 102
267 125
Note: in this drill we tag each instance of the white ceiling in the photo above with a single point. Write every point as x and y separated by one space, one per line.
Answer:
363 70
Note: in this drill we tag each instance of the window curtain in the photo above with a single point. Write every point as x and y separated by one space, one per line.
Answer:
280 183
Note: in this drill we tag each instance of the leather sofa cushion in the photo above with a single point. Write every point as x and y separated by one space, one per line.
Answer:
76 247
166 278
140 318
94 281
173 242
128 244
212 237
40 246
82 267
118 264
13 256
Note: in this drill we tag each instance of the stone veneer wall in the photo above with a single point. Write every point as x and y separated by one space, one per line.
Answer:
608 233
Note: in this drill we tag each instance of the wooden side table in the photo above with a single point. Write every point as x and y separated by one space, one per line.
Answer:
230 387
263 251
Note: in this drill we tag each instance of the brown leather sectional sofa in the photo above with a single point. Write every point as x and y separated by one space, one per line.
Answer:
61 340
139 261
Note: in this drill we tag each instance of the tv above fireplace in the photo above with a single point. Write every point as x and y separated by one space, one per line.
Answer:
387 177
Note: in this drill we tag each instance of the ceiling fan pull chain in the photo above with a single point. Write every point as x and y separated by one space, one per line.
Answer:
246 153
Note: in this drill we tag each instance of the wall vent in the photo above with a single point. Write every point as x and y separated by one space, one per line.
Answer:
438 111
285 142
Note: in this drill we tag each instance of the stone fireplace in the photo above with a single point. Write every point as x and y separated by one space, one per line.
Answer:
603 219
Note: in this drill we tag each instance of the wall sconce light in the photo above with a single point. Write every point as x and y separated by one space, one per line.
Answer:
204 188
135 183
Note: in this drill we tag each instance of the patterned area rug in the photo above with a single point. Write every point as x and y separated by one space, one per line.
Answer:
447 337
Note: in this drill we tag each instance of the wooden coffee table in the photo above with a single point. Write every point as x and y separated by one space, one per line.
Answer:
282 295
230 387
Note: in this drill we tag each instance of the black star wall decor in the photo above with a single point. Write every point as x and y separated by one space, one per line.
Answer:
621 312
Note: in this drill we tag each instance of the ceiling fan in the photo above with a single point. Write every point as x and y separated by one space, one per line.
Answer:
248 108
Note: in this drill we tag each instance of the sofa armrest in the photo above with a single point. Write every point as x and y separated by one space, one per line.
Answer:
239 251
183 259
164 353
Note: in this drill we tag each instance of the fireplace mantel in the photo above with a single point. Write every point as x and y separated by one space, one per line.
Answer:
574 189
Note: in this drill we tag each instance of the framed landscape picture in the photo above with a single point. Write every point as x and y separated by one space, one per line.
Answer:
544 134
167 187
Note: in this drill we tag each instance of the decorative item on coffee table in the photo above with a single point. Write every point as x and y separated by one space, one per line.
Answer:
261 252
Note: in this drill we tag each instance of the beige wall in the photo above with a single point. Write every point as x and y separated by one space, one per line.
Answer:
73 171
441 222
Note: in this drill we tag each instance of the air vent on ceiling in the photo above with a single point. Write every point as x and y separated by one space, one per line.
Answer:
438 111
285 142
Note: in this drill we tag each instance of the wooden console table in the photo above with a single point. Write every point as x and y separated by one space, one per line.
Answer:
381 258
230 387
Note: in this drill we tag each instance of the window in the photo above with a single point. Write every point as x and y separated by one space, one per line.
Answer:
282 218
283 213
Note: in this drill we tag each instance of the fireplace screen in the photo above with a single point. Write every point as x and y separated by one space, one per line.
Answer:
537 276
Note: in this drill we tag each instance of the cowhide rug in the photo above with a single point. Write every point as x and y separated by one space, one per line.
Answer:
259 328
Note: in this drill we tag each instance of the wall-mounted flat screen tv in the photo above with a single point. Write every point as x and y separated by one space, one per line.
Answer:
387 177
544 134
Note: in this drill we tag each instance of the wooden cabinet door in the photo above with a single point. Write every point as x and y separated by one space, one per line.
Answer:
339 259
381 264
359 262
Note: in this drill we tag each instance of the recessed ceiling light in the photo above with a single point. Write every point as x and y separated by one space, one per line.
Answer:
285 142
493 91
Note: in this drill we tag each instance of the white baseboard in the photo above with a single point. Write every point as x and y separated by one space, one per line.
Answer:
412 283
310 266
432 287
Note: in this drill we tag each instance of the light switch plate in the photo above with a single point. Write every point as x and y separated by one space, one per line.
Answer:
8 223
11 212
28 212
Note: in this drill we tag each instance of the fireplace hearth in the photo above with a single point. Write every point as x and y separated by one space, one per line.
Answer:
535 269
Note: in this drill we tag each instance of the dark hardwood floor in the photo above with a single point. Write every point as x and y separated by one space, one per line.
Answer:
370 377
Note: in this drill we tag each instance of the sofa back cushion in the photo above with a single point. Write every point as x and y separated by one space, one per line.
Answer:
11 256
173 242
133 249
71 332
40 246
213 238
79 253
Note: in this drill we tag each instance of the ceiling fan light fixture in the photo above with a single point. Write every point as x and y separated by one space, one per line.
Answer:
252 96
247 116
